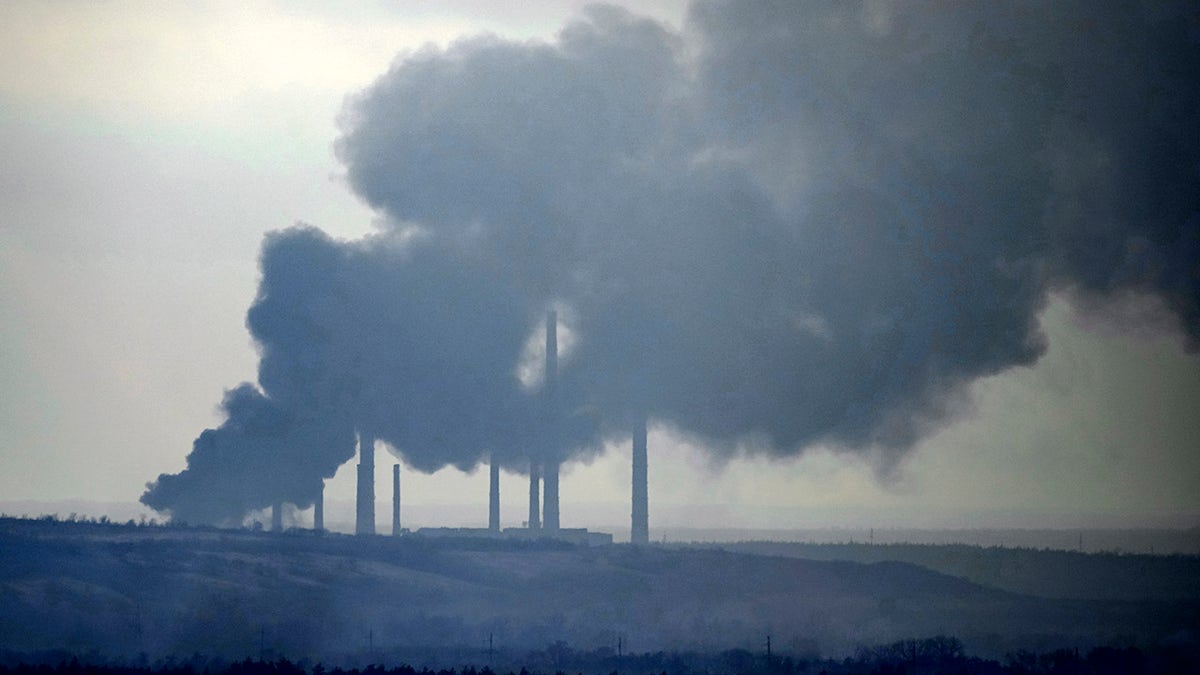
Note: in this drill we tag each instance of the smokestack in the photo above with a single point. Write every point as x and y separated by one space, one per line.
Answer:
395 500
535 515
277 517
639 532
365 516
550 393
550 501
494 496
319 510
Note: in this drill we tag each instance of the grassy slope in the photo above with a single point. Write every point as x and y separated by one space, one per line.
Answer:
1041 572
126 590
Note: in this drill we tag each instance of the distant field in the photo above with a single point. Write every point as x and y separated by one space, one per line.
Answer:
613 518
1046 573
1153 541
126 590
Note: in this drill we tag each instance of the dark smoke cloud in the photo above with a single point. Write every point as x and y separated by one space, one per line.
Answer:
401 341
262 454
408 341
1059 137
799 223
787 224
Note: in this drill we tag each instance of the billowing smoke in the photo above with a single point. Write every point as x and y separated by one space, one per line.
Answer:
263 454
786 224
401 341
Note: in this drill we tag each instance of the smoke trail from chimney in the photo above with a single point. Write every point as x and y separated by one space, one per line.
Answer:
823 264
264 452
346 332
844 295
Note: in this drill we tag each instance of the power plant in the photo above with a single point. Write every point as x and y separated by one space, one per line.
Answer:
544 465
544 516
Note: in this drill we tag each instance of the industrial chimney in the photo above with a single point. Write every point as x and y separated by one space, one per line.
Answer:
364 522
639 532
494 495
319 509
550 403
535 497
550 502
395 500
277 517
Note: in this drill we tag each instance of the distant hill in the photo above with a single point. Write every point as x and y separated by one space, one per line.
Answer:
126 590
1148 540
1046 573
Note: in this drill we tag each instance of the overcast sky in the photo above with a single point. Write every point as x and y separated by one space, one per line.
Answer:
148 147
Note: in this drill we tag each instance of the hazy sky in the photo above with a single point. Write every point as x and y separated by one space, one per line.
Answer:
148 147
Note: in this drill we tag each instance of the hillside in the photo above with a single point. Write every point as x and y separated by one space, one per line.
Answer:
1044 573
126 590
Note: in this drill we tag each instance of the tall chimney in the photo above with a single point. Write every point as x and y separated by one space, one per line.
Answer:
395 500
550 402
639 532
550 500
365 515
277 517
535 510
494 495
319 509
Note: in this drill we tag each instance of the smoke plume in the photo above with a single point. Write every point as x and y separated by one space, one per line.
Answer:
784 224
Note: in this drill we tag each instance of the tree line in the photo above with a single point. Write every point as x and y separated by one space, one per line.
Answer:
929 656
